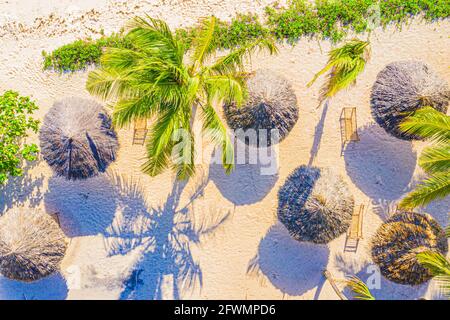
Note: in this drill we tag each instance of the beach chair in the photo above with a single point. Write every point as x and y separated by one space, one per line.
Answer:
140 131
329 277
349 126
355 232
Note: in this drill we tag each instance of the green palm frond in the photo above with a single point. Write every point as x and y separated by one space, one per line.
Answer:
344 65
109 84
203 43
436 158
120 59
217 132
359 289
183 153
428 123
161 143
235 59
435 262
154 37
439 266
128 110
225 89
431 124
437 186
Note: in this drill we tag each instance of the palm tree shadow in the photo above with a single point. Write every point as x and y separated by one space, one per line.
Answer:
19 189
163 237
318 133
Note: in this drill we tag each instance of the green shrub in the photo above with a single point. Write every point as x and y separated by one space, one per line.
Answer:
325 19
15 121
294 22
336 18
242 29
81 53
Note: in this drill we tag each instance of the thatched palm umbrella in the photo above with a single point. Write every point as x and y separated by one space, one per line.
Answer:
77 139
397 242
403 87
271 104
315 205
31 245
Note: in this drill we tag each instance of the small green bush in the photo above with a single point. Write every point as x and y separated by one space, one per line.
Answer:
81 53
15 121
325 19
242 29
294 22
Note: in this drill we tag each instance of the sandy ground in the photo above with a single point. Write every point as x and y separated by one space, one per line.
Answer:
215 237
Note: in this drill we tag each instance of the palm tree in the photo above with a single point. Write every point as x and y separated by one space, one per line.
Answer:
344 65
159 78
359 289
439 267
433 125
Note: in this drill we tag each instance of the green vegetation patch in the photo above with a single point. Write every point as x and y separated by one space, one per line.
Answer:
324 19
81 53
15 122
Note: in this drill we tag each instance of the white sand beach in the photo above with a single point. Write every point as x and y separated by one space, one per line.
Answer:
215 237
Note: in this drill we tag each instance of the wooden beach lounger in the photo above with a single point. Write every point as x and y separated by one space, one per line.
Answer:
355 232
140 131
349 126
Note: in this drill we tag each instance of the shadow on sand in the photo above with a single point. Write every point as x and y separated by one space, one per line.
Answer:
439 210
163 236
52 287
380 165
318 133
380 287
20 189
291 266
85 207
250 181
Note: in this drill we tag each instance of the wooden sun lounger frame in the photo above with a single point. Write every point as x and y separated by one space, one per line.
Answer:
356 226
349 126
140 131
355 231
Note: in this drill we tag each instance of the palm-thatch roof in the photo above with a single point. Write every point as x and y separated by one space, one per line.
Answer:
315 205
77 139
397 242
271 104
403 87
31 245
